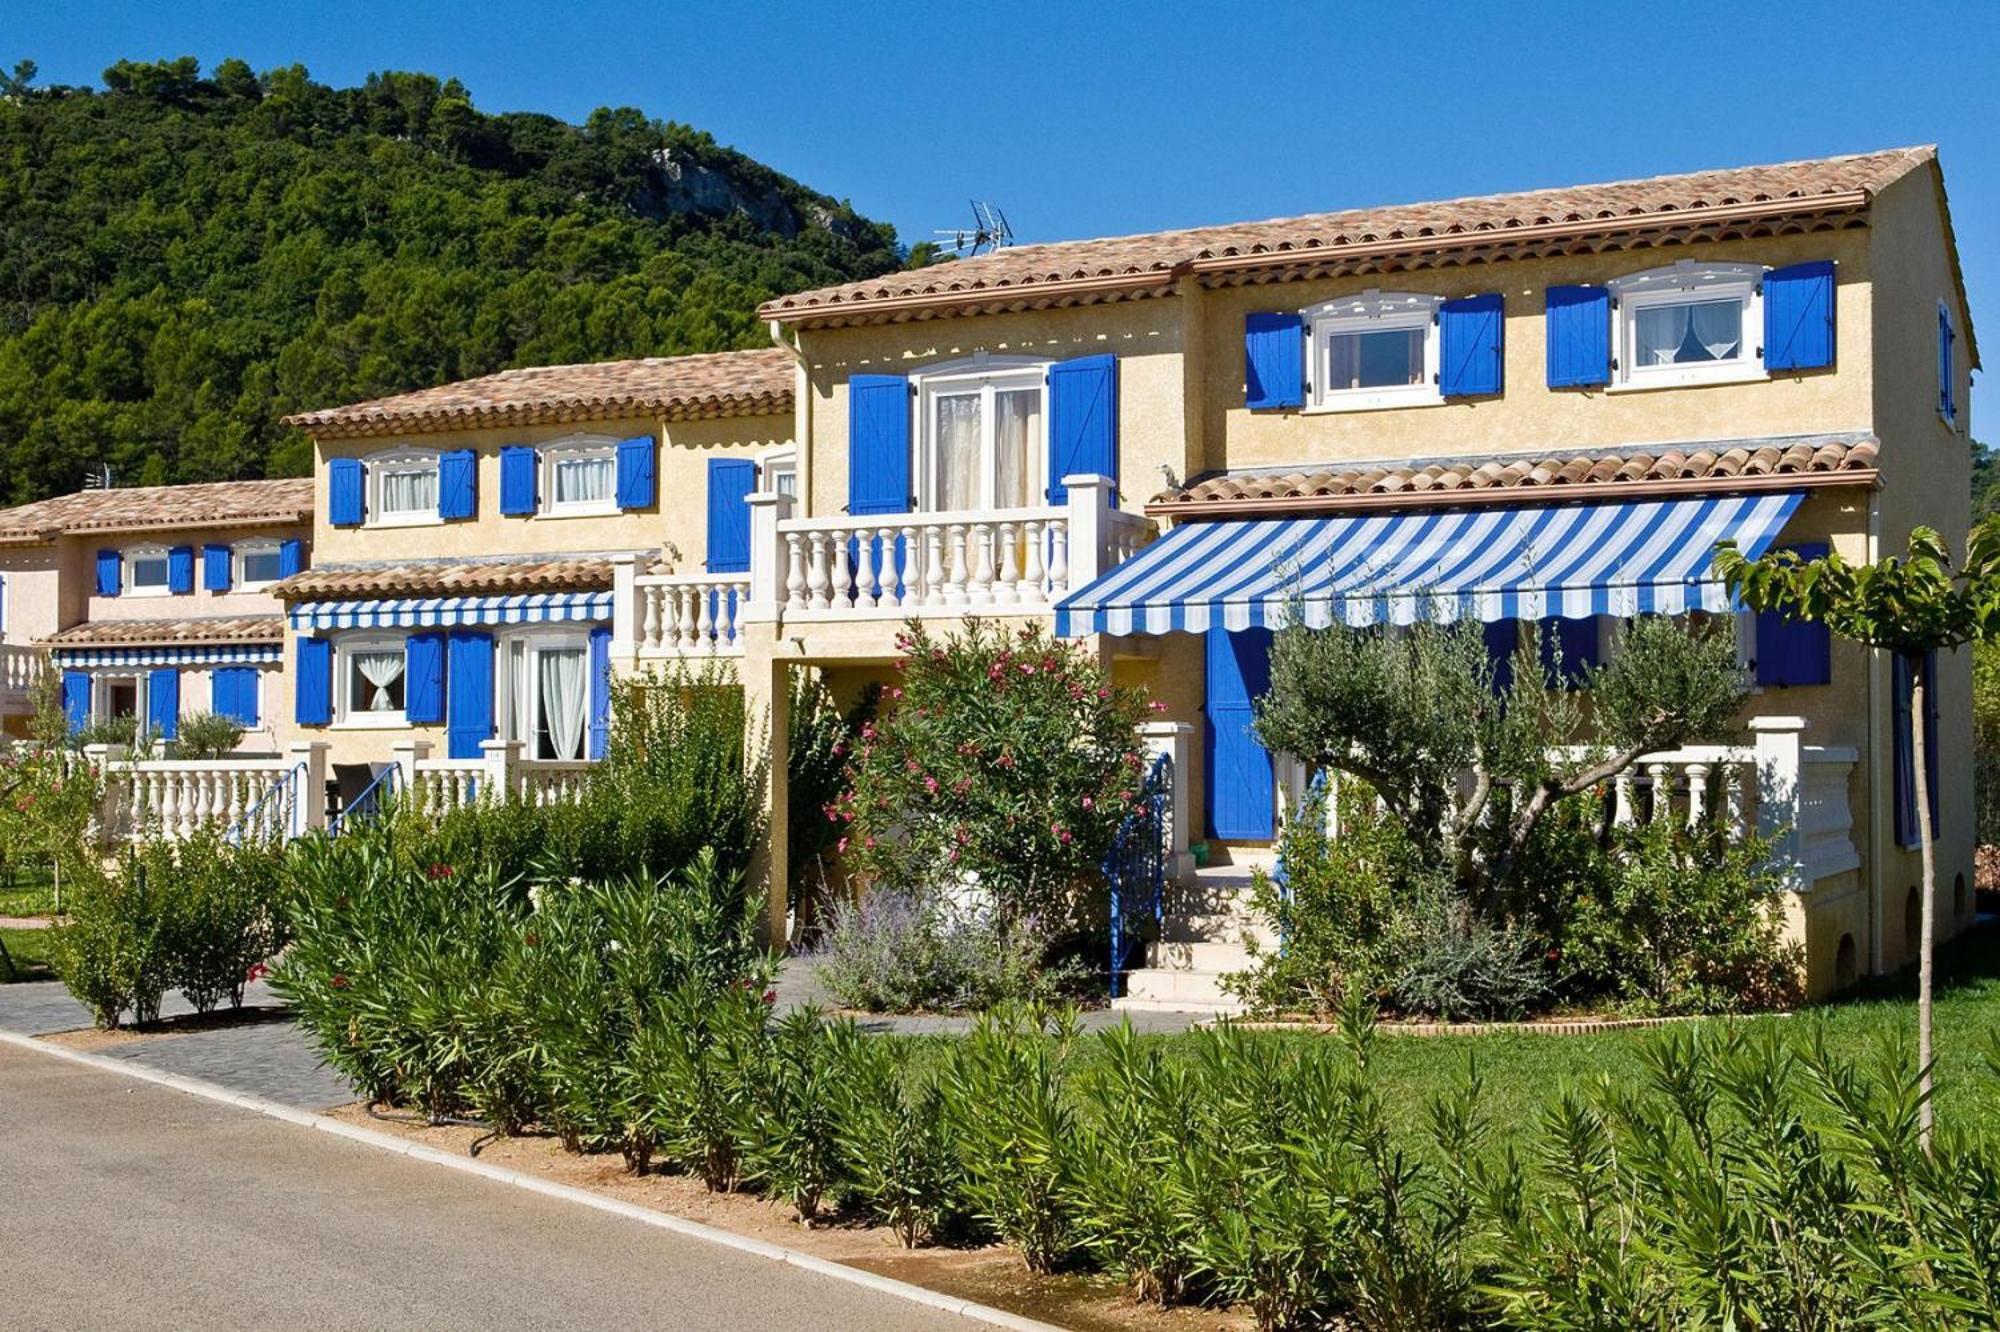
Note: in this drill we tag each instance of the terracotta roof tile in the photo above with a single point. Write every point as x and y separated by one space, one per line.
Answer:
1821 456
1147 264
141 508
737 383
151 633
444 578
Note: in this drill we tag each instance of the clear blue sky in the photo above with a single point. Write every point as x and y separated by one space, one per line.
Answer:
1084 119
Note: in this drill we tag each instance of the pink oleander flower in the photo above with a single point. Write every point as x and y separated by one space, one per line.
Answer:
931 785
841 846
1088 803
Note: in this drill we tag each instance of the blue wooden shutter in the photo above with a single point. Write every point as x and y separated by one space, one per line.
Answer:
600 691
312 682
423 679
1274 360
878 444
343 492
1470 333
291 557
76 699
1578 328
1794 652
215 568
1242 790
469 693
517 480
110 573
730 481
1798 316
163 702
458 484
1905 748
636 486
1083 421
1947 367
233 694
180 570
1577 642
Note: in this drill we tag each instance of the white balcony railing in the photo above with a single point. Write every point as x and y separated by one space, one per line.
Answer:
688 615
173 798
21 669
952 562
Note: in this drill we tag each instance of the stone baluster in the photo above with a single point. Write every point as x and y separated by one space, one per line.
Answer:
1697 780
1032 571
654 630
1663 789
865 582
1621 799
934 593
954 590
704 624
1007 578
1058 559
795 575
818 582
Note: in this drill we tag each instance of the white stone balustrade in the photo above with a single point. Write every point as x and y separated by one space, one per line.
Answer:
688 615
21 669
173 798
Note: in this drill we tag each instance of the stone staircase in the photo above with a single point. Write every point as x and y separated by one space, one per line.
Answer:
1207 920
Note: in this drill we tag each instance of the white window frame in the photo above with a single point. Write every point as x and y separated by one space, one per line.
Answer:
1674 284
240 558
775 464
1371 311
345 648
534 643
985 374
100 695
399 460
132 586
572 450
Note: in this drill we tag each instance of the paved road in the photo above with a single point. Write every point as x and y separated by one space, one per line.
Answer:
125 1205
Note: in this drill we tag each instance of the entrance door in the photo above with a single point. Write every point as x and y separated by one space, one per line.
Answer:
1242 793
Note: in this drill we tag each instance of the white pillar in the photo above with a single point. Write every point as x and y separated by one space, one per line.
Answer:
501 757
309 808
1091 499
1175 740
1780 803
409 753
624 608
768 563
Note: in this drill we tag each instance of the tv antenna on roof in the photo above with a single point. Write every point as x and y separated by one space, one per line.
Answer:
98 477
989 230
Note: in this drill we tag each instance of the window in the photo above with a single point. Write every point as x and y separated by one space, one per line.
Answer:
547 699
983 435
257 563
403 488
146 572
1688 324
370 676
1947 368
779 473
1376 349
580 478
117 697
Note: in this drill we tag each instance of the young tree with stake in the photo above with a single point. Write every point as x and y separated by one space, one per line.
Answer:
1913 606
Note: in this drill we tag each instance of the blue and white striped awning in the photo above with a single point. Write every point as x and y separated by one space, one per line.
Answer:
452 612
1493 563
202 654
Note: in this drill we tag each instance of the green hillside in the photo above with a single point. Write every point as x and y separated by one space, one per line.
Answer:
186 258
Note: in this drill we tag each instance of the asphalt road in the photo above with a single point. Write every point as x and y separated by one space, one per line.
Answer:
125 1205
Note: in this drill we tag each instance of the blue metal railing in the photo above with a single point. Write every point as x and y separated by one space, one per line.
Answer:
264 818
1137 861
368 802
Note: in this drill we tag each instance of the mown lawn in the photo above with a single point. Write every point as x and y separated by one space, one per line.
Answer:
29 950
26 890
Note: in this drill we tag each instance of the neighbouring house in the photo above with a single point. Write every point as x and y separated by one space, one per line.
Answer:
1538 406
152 603
489 552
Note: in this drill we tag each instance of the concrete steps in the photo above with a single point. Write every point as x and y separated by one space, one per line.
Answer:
1207 920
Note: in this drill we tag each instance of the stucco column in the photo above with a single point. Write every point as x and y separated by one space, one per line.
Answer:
1175 740
501 757
624 607
767 557
409 753
1090 502
767 720
309 809
1780 806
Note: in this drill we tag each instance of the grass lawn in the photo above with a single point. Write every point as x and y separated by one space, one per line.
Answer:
26 890
30 951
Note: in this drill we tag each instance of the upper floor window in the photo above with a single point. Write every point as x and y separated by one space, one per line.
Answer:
580 477
982 434
779 473
147 572
403 487
1690 323
257 563
1374 349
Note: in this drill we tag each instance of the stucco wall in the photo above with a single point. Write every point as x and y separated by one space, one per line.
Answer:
77 556
679 516
33 592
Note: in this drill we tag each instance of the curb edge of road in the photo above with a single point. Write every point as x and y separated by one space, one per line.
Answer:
679 1225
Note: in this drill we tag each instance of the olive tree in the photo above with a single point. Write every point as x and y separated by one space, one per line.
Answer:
1912 606
1470 763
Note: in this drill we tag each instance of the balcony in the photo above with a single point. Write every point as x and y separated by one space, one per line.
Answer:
21 670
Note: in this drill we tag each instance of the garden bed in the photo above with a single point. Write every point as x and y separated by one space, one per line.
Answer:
989 1274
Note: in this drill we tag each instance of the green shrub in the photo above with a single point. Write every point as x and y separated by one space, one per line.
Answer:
207 735
1458 966
896 1135
821 738
1016 1131
793 1145
112 952
227 913
903 952
1137 1107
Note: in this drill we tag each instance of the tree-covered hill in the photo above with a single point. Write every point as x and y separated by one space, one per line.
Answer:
185 259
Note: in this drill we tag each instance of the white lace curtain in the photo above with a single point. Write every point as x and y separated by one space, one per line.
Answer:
411 490
583 480
1702 331
955 452
379 673
1016 414
562 681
